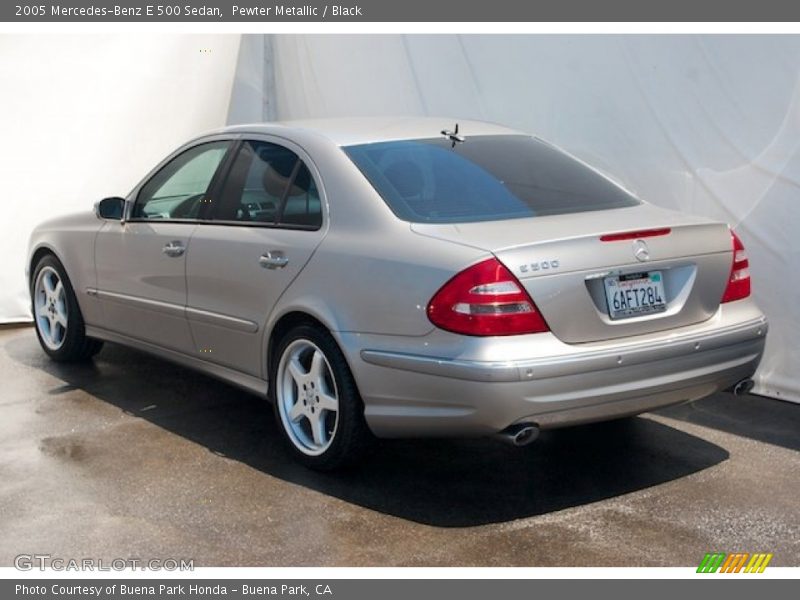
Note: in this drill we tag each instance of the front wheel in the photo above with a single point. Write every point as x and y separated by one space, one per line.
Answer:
316 400
57 316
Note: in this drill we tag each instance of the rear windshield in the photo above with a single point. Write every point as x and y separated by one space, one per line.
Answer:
484 178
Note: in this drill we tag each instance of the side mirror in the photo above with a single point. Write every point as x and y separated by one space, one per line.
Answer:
110 208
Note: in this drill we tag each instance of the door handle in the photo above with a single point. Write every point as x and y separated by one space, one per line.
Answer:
274 259
174 248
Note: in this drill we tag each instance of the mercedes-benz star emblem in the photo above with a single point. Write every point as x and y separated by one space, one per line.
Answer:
641 251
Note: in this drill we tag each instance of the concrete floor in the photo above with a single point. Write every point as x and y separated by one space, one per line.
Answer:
130 456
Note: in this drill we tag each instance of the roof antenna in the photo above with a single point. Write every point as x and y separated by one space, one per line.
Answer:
453 136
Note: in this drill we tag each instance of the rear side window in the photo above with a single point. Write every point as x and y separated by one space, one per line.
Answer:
484 178
270 184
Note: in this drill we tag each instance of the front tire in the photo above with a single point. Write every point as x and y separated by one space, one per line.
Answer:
316 401
57 316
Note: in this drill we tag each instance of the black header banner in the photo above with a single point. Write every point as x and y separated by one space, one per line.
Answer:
442 11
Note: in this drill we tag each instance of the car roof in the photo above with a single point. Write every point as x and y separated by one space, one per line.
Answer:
365 130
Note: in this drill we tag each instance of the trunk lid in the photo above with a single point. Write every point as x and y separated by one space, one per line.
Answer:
564 265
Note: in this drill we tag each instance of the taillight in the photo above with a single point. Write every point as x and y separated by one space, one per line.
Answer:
485 299
739 281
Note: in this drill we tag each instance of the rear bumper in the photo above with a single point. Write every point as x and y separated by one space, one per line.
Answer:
551 384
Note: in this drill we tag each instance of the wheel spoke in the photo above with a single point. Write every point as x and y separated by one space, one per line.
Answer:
48 284
58 292
40 296
317 367
296 413
61 318
318 429
52 330
297 372
328 402
44 326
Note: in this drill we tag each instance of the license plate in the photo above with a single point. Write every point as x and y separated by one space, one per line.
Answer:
635 294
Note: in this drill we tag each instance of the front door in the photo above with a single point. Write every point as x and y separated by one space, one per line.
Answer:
141 262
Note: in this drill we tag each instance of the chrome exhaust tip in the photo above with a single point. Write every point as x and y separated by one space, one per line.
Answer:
520 434
743 387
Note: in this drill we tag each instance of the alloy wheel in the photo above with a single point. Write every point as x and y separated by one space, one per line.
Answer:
50 308
308 401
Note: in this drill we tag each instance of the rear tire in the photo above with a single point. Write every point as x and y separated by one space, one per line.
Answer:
57 316
316 401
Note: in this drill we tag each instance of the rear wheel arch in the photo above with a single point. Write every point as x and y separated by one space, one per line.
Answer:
284 325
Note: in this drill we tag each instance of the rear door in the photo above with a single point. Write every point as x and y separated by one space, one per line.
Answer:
141 262
263 228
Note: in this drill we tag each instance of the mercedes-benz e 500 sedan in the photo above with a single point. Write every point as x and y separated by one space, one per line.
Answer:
403 278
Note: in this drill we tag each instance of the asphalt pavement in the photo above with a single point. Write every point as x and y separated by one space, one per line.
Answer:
132 457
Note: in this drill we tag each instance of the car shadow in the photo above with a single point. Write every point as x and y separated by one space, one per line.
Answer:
759 418
444 483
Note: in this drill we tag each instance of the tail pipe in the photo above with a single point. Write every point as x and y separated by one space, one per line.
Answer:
743 387
519 434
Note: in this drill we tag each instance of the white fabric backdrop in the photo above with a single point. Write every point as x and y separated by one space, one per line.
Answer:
84 117
709 125
705 124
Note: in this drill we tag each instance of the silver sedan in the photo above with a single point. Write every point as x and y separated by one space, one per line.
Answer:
402 278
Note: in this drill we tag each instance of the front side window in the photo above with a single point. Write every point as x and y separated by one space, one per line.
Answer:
484 178
177 191
270 184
